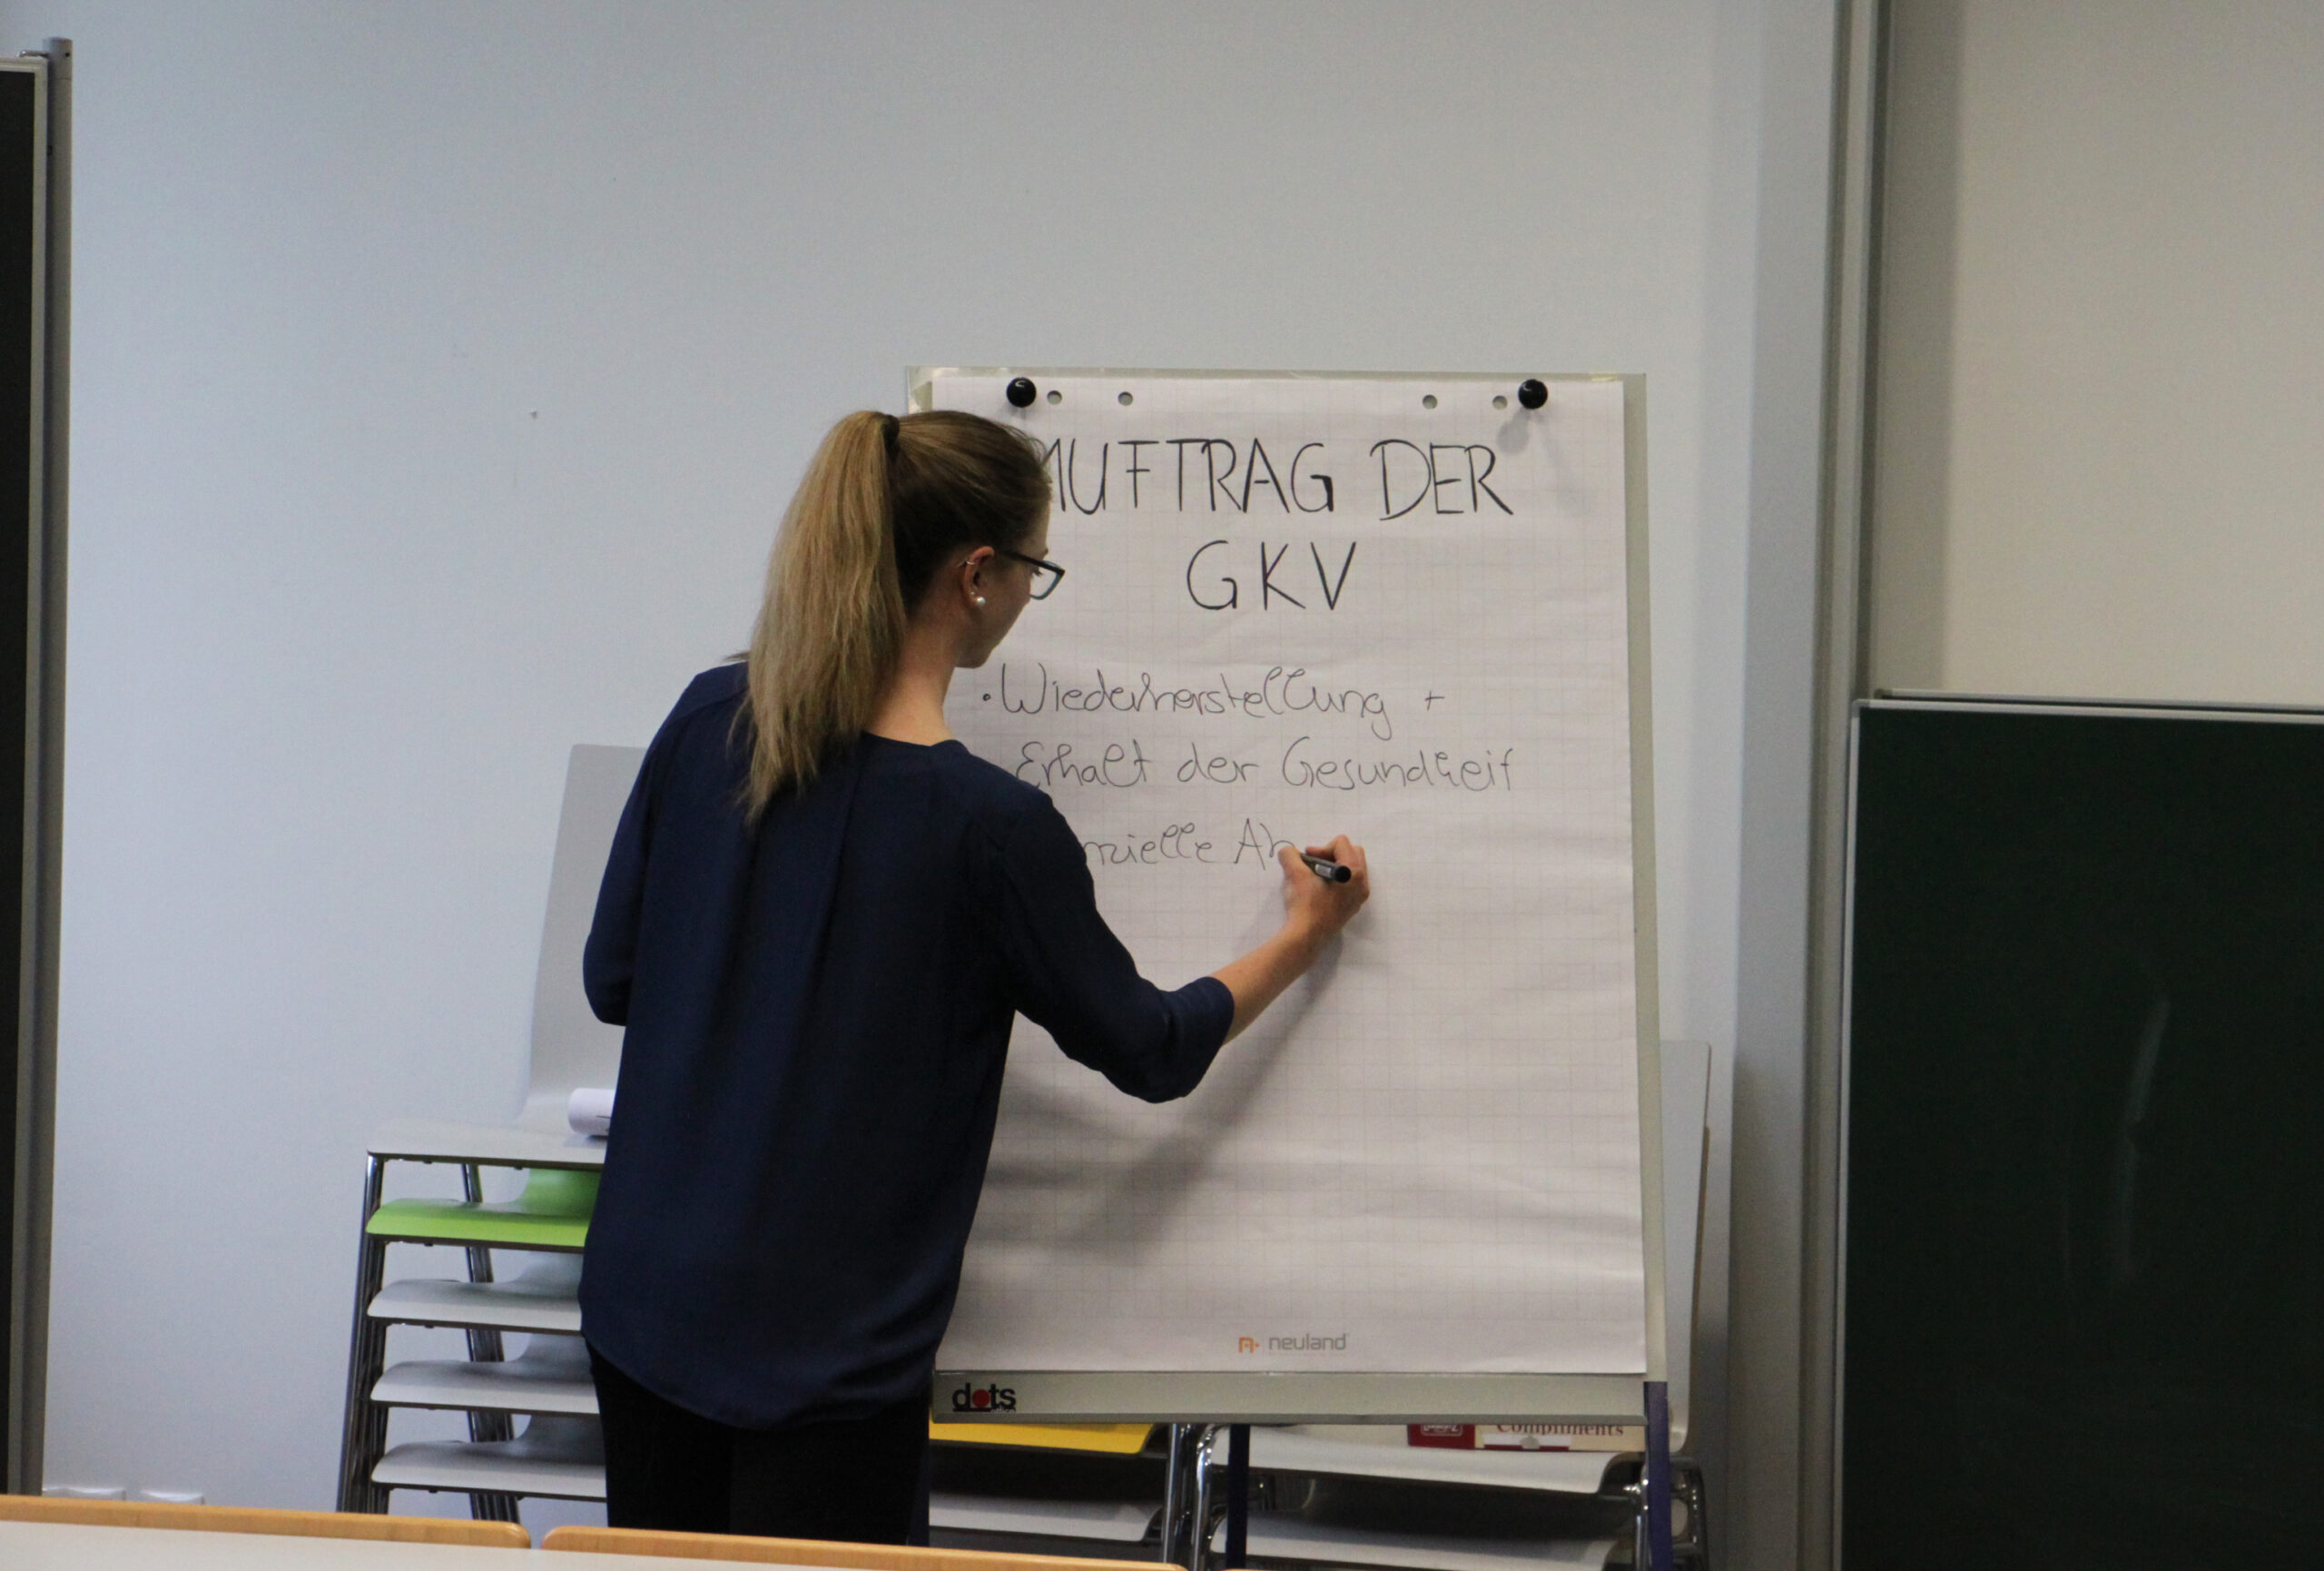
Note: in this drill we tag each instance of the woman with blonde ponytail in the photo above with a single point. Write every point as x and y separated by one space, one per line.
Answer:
819 919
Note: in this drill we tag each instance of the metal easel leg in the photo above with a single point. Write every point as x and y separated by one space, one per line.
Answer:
1238 1497
365 1429
1654 1492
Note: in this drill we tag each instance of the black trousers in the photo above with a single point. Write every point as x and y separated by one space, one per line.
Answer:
856 1480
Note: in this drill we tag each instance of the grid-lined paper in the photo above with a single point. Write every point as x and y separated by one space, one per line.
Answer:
1427 1157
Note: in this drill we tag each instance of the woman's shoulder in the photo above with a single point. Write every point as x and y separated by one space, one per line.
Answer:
722 684
991 797
713 696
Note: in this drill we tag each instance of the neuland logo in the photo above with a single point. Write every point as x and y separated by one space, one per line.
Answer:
986 1398
1304 1342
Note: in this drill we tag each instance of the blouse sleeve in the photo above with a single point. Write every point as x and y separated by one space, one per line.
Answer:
1072 977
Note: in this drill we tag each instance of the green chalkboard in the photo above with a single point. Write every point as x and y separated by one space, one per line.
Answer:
2083 1273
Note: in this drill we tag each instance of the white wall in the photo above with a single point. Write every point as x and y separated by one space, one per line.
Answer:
441 370
2099 465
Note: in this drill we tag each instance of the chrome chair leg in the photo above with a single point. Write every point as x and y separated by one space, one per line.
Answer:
484 1346
364 1433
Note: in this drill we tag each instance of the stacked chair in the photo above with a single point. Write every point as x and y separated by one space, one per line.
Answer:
532 1419
558 1453
1349 1495
1087 1490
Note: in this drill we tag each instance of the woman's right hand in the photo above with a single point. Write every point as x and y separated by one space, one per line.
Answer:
1314 909
1317 906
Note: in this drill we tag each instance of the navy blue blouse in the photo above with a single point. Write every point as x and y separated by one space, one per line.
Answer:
818 1011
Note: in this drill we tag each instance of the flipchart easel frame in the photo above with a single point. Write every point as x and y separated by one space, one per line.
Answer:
1626 1397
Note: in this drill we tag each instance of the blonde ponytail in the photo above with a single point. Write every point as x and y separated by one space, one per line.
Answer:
882 501
832 621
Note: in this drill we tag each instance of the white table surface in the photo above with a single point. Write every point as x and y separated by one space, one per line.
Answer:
538 1144
60 1546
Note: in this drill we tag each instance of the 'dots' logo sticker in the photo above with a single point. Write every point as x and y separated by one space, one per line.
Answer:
986 1399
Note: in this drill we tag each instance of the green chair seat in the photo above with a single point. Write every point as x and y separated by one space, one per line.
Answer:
553 1213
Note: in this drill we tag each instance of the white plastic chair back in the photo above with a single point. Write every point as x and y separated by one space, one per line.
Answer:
571 1046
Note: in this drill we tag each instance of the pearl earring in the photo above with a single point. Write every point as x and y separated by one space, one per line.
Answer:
980 599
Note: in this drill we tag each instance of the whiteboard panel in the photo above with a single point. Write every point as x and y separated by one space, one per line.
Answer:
1297 606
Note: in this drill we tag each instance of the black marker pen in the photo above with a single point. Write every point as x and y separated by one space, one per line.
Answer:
1329 871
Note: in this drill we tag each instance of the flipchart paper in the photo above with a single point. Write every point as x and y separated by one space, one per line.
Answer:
1295 609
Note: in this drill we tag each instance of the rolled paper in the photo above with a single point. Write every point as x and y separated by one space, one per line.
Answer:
590 1111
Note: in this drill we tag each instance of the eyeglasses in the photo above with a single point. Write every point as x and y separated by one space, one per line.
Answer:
1047 576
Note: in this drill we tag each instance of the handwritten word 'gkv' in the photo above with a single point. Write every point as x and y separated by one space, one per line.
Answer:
1210 585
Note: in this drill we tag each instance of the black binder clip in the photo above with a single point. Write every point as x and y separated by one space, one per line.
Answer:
1022 392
